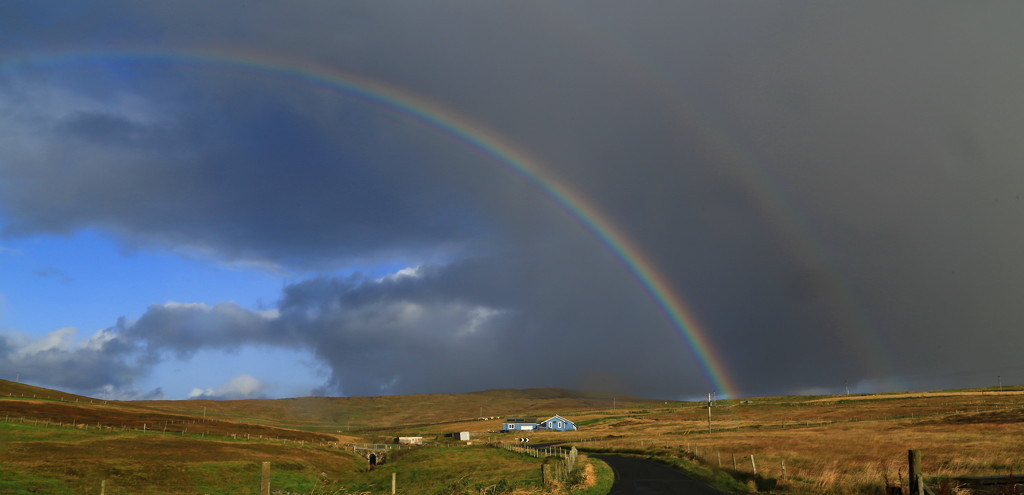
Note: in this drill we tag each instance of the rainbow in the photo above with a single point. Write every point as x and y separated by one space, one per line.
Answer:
475 136
860 332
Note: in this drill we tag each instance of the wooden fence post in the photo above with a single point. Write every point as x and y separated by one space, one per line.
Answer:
394 476
752 464
265 479
103 487
914 461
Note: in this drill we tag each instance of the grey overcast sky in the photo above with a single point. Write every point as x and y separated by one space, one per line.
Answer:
266 199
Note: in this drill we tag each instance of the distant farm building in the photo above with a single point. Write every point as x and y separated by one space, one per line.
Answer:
409 440
554 423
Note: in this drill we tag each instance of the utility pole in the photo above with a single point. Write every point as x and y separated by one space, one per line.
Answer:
847 383
999 378
709 413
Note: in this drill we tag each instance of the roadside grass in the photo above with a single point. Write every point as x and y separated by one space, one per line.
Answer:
604 475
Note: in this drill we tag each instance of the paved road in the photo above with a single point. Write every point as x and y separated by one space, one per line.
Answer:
634 476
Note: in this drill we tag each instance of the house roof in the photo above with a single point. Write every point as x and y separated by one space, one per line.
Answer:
520 420
558 417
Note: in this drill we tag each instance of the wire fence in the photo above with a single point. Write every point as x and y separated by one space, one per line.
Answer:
560 461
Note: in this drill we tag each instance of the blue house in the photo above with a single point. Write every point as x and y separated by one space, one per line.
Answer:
557 423
519 424
554 423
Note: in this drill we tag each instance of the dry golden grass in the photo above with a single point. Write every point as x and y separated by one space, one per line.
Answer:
832 445
432 413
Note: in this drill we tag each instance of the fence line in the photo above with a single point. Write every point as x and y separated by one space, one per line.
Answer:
559 470
162 430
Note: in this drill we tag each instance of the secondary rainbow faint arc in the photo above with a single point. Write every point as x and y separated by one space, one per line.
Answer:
461 129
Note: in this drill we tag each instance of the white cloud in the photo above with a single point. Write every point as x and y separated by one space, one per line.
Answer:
407 272
60 340
181 305
477 317
268 314
57 340
99 339
239 387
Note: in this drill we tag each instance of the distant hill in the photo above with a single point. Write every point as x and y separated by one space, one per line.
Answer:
325 414
26 403
362 413
16 389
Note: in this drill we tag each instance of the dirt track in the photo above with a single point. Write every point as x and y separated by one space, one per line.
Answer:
635 476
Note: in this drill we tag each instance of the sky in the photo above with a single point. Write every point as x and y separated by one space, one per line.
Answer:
246 199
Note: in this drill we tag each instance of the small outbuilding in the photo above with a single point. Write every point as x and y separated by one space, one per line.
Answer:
409 440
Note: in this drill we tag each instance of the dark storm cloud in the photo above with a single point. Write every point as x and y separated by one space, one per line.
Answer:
826 185
272 183
439 328
185 329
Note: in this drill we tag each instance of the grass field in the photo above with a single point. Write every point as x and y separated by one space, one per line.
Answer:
52 459
828 444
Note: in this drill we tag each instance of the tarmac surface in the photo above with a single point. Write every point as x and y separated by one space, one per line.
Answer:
635 476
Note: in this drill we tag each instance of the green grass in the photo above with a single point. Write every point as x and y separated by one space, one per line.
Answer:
18 483
593 421
212 477
458 470
232 478
49 459
27 432
605 479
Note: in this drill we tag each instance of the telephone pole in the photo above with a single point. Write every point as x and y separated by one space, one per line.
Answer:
709 413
